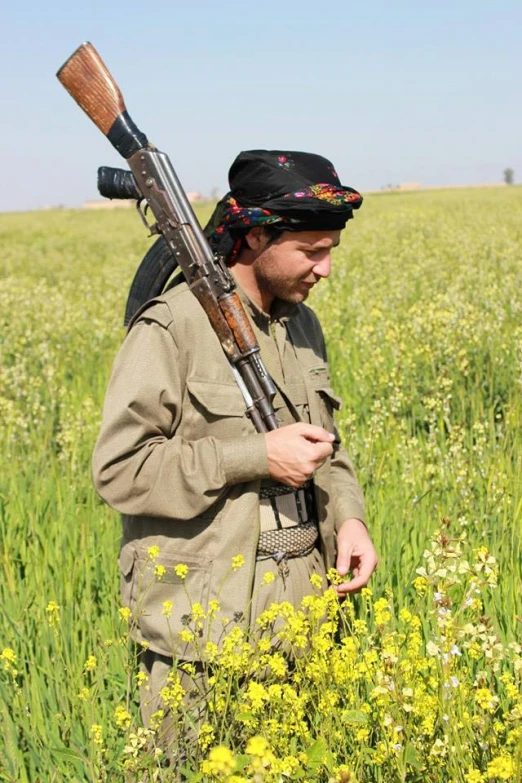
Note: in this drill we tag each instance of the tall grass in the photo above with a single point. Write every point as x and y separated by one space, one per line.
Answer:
423 321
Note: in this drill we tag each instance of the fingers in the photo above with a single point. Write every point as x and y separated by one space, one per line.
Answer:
296 451
360 576
322 451
344 557
314 433
355 551
353 586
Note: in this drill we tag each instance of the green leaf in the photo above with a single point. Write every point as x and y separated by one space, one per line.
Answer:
412 758
316 752
354 716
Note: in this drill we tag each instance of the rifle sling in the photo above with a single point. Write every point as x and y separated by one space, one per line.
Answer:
154 272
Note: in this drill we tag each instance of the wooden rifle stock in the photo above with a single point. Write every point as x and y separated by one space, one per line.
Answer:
86 77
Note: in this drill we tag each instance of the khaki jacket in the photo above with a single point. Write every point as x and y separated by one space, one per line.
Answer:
179 458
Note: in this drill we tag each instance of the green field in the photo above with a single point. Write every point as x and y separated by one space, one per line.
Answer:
420 681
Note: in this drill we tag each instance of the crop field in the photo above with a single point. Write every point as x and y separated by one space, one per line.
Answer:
417 679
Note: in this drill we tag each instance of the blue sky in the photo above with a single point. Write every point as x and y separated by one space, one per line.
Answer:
391 92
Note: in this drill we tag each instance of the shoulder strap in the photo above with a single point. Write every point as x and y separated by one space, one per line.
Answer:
154 272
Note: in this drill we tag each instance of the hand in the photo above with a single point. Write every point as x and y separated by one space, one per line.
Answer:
296 451
355 553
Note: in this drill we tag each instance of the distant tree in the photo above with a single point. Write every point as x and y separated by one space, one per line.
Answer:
214 194
509 176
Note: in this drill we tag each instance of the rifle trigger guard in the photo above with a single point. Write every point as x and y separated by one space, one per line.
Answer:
153 229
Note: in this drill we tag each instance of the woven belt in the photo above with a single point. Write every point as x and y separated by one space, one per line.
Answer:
275 490
282 543
287 543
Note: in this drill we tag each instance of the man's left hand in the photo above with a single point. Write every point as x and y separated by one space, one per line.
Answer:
355 553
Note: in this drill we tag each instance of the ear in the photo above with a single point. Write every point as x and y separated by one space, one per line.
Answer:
256 239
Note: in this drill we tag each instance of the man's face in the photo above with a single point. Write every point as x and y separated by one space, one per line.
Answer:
289 267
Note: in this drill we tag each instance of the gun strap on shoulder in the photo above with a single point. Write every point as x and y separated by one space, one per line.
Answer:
153 274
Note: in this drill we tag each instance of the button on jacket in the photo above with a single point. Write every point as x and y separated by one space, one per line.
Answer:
180 459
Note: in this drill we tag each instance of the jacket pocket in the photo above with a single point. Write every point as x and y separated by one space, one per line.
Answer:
214 408
324 400
329 403
329 397
161 594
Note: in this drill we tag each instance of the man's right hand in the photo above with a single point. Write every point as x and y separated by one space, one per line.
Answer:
296 451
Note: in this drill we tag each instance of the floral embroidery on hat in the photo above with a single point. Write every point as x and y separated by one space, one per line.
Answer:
327 192
285 162
232 214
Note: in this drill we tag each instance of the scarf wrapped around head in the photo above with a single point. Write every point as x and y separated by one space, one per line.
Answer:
295 191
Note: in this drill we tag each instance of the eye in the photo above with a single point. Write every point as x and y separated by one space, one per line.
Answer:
317 255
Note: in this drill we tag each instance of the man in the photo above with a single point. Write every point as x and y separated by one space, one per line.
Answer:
177 455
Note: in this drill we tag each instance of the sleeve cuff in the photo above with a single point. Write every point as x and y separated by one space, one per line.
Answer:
244 459
349 510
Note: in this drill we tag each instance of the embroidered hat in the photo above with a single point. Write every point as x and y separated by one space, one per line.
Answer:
297 191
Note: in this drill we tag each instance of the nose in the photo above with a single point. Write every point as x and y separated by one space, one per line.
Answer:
324 266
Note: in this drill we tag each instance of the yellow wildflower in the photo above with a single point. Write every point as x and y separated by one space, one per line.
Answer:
502 767
421 585
360 628
8 657
90 664
198 613
167 608
153 552
485 699
268 578
172 694
382 611
53 613
213 608
316 580
257 746
122 718
206 735
343 775
156 719
473 776
220 761
334 577
237 562
181 570
257 695
277 664
159 571
97 734
211 651
124 612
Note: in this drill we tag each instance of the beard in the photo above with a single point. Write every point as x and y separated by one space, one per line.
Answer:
279 284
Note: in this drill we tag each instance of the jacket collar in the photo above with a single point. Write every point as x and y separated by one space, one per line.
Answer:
280 311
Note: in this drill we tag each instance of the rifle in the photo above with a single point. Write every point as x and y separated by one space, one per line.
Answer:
152 180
